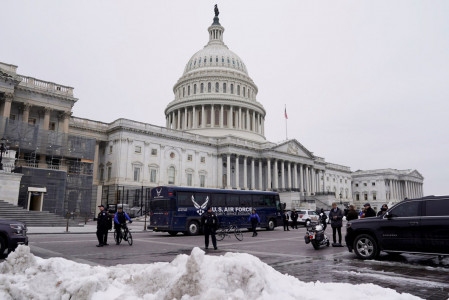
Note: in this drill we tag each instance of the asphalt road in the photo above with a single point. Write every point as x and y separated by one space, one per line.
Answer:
423 276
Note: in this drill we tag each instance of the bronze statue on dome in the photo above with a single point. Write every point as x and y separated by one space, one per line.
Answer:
216 10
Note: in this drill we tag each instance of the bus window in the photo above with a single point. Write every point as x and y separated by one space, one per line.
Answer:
245 201
157 205
218 200
258 200
185 199
200 198
232 200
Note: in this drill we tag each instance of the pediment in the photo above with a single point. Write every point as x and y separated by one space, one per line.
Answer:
415 173
293 147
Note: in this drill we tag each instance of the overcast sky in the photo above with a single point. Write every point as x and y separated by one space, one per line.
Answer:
366 83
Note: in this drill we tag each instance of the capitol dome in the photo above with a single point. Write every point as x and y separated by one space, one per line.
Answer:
215 95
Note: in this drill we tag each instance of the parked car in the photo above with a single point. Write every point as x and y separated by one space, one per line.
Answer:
307 216
12 234
411 226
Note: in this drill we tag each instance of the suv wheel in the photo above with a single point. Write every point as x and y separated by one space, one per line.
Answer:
365 246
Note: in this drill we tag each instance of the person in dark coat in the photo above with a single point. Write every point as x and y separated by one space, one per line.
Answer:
209 222
294 217
382 210
369 212
254 220
285 220
336 217
323 218
352 214
102 227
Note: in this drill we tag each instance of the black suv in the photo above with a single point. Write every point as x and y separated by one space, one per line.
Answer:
413 226
12 234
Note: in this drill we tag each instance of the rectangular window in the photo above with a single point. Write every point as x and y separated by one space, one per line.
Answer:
138 149
357 197
437 208
136 174
203 159
171 175
189 179
52 126
153 151
374 197
109 173
365 196
110 149
153 175
202 180
189 157
101 174
373 184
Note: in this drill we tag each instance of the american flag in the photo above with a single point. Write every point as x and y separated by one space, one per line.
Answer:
285 112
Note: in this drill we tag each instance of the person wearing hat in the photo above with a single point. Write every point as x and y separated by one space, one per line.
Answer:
369 212
209 222
120 222
294 216
102 227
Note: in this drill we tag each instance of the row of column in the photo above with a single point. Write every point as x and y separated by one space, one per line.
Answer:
206 116
302 177
400 189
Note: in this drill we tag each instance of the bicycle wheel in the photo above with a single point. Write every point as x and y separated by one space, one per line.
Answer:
238 234
130 238
220 234
117 237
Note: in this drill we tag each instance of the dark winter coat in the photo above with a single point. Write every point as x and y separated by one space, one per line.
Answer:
209 220
103 220
338 221
294 216
370 213
352 215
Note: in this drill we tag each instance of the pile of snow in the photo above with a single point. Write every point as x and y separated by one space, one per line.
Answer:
195 276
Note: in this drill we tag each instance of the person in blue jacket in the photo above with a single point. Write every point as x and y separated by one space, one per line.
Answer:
254 220
120 221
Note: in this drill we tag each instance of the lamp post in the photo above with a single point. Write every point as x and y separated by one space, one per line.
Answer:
3 149
341 201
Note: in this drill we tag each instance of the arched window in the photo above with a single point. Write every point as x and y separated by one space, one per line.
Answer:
232 88
202 88
244 90
171 175
224 87
217 87
184 91
209 87
194 90
188 90
199 61
238 90
248 93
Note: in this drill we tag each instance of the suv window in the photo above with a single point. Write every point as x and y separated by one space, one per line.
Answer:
408 209
303 212
437 207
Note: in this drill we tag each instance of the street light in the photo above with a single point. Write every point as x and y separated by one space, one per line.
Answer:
3 149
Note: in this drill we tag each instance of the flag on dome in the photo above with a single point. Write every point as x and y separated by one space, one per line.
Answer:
285 112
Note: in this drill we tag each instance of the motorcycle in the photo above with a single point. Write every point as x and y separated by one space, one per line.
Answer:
316 236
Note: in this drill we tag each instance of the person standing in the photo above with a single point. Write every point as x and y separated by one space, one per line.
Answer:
352 214
254 220
336 216
102 227
294 217
382 210
209 222
285 220
369 212
323 218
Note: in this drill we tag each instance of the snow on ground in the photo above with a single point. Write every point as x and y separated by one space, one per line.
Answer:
188 277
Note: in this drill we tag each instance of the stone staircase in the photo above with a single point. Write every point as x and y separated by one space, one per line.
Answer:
32 218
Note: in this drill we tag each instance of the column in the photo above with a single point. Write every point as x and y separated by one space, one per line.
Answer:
166 121
179 119
221 116
193 117
258 123
66 121
237 179
282 175
185 119
7 108
254 121
307 185
313 181
253 174
275 174
46 125
26 112
245 174
240 118
263 126
295 175
212 116
228 171
289 175
220 182
97 150
230 117
203 119
406 189
268 175
260 175
301 179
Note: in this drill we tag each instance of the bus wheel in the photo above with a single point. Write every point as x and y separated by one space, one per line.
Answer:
193 228
270 225
173 233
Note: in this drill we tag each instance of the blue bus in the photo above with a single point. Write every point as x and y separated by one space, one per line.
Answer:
176 209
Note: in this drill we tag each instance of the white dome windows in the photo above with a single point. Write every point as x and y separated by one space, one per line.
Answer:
224 87
194 89
202 88
232 88
217 87
209 87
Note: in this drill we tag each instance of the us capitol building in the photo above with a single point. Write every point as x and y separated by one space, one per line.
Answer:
214 137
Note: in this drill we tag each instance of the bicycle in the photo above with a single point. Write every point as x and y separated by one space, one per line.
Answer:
227 231
124 234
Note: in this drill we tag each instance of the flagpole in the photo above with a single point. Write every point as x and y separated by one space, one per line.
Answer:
286 118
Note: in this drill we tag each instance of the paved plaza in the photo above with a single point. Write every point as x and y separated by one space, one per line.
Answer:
424 276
